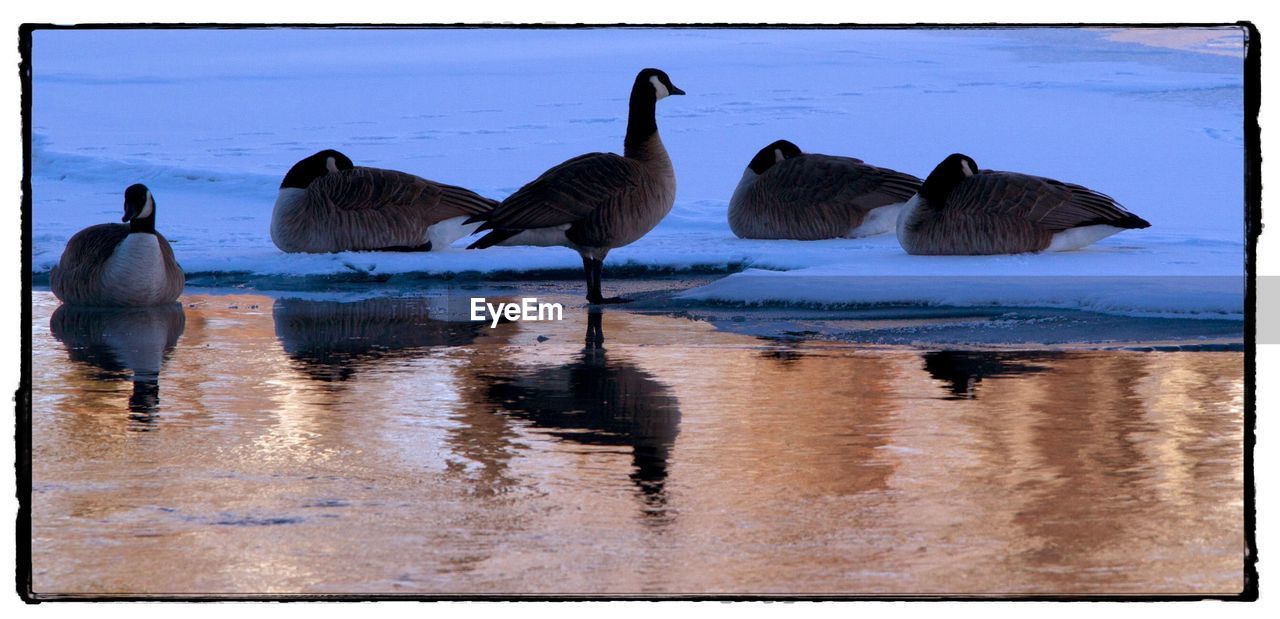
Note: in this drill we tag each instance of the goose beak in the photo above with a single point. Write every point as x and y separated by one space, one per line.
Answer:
674 90
130 211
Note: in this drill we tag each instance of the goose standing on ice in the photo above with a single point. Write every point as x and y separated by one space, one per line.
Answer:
962 210
120 265
599 201
787 194
327 204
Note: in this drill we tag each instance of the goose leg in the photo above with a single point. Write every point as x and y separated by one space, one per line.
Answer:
593 284
594 268
595 332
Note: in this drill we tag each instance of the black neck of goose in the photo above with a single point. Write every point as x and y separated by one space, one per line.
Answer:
641 123
935 189
143 224
933 196
944 179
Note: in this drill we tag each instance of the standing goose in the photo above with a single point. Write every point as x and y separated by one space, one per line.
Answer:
117 264
599 201
787 194
962 210
327 204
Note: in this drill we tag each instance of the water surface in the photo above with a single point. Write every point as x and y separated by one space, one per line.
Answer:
254 444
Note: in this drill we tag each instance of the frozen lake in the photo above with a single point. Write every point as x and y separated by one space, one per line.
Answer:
211 120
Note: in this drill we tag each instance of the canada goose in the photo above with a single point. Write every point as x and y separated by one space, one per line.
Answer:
787 194
961 210
117 264
327 204
599 201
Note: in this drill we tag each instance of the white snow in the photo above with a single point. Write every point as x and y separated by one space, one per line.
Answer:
211 120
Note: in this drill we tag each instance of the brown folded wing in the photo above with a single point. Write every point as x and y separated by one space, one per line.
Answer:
1009 213
568 193
817 197
77 278
389 191
1052 205
371 208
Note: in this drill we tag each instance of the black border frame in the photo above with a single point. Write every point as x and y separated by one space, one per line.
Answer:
1253 227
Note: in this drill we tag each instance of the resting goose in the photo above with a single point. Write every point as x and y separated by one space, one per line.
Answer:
962 210
599 201
787 194
327 204
120 265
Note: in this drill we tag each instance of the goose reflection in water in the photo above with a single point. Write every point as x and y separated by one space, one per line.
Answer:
598 400
331 340
120 343
964 369
785 357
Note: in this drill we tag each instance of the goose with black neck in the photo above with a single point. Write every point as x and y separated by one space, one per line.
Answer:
788 194
328 204
120 265
596 202
963 210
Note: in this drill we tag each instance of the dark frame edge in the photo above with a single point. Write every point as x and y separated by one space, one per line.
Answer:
1253 228
1250 28
22 398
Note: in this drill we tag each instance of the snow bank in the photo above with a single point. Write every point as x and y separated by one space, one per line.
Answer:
212 119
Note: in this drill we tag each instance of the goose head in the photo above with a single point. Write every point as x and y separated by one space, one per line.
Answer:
653 84
772 155
950 173
313 167
138 203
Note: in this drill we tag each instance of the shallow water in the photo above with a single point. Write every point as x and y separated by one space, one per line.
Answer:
251 444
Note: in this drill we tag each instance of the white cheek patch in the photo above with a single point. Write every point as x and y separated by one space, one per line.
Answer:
658 88
964 167
331 165
777 155
148 208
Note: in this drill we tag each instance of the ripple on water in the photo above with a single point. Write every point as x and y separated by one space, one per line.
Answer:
287 442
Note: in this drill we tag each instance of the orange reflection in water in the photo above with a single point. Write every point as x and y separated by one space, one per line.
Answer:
373 446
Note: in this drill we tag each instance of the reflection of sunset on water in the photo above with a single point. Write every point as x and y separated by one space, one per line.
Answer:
415 456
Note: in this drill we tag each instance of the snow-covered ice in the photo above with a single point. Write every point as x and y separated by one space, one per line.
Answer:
211 120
